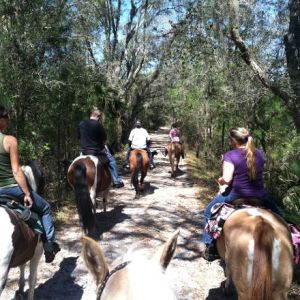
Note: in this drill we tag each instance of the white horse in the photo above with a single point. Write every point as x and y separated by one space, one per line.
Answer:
19 243
135 278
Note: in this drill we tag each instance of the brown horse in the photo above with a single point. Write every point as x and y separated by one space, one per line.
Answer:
139 164
90 179
257 249
175 150
135 278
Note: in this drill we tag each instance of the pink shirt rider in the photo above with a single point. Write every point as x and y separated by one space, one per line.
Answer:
174 135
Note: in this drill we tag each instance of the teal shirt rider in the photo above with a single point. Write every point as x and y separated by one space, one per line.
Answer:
6 174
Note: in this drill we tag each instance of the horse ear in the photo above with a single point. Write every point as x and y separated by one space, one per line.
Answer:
165 253
94 259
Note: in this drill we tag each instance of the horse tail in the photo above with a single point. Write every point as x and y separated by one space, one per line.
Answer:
262 263
83 199
38 175
137 170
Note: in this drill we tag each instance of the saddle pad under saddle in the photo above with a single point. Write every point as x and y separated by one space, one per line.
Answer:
220 212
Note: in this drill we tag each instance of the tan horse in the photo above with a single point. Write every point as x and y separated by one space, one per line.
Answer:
175 150
90 179
257 249
133 279
139 164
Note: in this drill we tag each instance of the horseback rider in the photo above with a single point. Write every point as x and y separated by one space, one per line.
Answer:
243 171
92 137
174 135
13 183
139 138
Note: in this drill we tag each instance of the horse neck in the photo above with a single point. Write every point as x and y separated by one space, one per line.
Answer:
141 279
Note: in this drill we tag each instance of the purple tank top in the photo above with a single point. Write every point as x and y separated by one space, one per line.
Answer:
241 183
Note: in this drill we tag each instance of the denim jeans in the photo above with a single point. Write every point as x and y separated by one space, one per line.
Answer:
113 168
40 206
267 200
148 152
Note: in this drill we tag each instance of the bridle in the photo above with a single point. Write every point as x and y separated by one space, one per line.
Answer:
104 281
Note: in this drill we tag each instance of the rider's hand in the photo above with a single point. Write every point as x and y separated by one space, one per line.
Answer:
221 181
28 201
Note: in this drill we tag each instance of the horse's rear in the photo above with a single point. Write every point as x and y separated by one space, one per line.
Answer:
89 179
139 164
175 150
19 242
257 248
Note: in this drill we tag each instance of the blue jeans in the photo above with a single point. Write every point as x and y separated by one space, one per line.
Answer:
148 152
113 168
267 200
40 206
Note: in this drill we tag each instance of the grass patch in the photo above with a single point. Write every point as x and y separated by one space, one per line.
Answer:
203 172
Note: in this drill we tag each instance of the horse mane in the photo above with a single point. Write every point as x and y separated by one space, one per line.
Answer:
146 274
262 264
38 175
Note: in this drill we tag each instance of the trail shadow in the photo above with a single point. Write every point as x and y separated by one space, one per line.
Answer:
105 221
62 284
149 188
218 293
178 173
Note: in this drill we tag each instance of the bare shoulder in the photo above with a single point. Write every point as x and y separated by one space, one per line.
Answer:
10 142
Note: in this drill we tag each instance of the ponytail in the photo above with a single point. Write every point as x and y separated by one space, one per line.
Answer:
251 158
242 136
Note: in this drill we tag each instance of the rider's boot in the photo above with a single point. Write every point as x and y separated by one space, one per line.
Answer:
50 250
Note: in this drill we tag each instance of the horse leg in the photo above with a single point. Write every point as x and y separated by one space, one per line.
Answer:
3 276
20 292
6 252
34 262
177 163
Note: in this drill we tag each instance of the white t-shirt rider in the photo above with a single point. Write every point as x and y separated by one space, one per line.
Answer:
139 138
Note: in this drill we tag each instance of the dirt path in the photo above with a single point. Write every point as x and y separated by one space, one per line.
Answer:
146 222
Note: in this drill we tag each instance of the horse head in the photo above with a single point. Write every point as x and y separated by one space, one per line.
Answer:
134 277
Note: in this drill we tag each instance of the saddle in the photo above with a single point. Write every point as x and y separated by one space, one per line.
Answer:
101 155
25 214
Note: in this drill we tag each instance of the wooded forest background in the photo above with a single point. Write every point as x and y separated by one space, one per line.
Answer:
209 65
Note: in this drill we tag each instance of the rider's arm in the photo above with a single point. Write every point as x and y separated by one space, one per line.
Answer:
11 146
228 169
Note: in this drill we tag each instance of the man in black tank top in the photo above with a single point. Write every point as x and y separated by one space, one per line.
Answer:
92 137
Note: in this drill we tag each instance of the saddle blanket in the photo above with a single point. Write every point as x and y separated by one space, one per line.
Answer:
220 212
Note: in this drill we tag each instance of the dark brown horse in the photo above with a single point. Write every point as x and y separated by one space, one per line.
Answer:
175 151
257 249
135 278
90 178
139 164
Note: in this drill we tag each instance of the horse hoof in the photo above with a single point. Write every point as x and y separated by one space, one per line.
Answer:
19 295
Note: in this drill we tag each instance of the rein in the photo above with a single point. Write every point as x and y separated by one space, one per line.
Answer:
103 283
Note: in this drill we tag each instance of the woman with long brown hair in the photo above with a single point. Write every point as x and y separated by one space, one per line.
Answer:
243 173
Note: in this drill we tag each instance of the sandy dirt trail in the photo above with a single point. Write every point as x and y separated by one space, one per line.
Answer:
145 223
